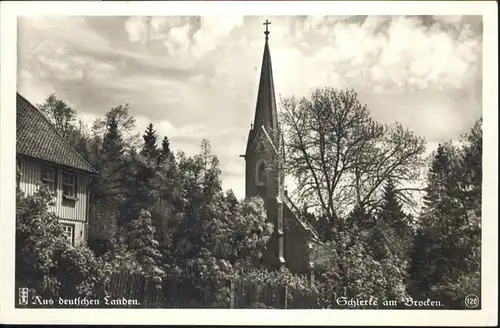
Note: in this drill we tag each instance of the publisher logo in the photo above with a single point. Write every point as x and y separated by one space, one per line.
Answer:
23 296
471 301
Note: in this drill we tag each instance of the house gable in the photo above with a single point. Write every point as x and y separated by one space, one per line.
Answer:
36 137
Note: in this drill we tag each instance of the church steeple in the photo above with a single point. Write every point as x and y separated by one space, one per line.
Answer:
263 173
265 112
265 127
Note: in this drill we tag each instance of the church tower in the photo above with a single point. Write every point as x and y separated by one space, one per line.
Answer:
263 158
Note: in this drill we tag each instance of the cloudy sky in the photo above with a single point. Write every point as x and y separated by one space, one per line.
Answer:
197 77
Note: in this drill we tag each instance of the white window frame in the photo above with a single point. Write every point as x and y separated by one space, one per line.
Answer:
69 232
71 185
47 181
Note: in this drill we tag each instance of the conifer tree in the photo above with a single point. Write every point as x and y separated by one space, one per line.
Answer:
80 144
212 183
432 254
166 197
471 164
149 148
440 177
391 213
143 168
108 190
323 226
359 217
445 259
125 122
392 235
112 143
141 240
165 152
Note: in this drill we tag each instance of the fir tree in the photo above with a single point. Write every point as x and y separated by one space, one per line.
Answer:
144 168
442 178
112 145
108 190
445 255
360 218
166 152
212 183
431 254
142 242
81 145
471 164
391 231
149 149
391 213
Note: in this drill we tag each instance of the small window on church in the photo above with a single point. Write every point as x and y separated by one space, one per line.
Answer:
261 174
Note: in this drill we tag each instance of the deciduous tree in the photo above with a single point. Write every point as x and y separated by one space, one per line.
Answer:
62 116
340 157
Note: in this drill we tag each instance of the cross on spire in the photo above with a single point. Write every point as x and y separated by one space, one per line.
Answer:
267 31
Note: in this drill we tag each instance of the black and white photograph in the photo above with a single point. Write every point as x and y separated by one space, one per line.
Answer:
252 161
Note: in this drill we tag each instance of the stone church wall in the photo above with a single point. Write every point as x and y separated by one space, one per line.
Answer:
296 244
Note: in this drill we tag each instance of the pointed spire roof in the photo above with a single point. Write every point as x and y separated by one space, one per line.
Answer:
266 113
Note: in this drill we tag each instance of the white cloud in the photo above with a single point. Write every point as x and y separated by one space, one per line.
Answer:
136 29
142 29
178 42
70 30
213 32
101 71
174 31
164 127
67 65
448 19
397 52
197 78
235 184
87 118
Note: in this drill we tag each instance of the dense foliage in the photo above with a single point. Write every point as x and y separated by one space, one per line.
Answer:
356 185
446 253
165 216
45 261
162 214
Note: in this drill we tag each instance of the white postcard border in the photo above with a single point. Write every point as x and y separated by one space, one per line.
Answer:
486 316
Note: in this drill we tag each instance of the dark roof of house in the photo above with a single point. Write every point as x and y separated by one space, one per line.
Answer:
38 138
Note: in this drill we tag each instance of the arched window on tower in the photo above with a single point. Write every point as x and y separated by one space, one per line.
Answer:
261 174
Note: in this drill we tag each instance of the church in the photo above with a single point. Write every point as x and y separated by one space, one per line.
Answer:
294 243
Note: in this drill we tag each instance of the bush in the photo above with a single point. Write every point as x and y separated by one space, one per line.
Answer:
45 262
352 271
79 272
260 288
